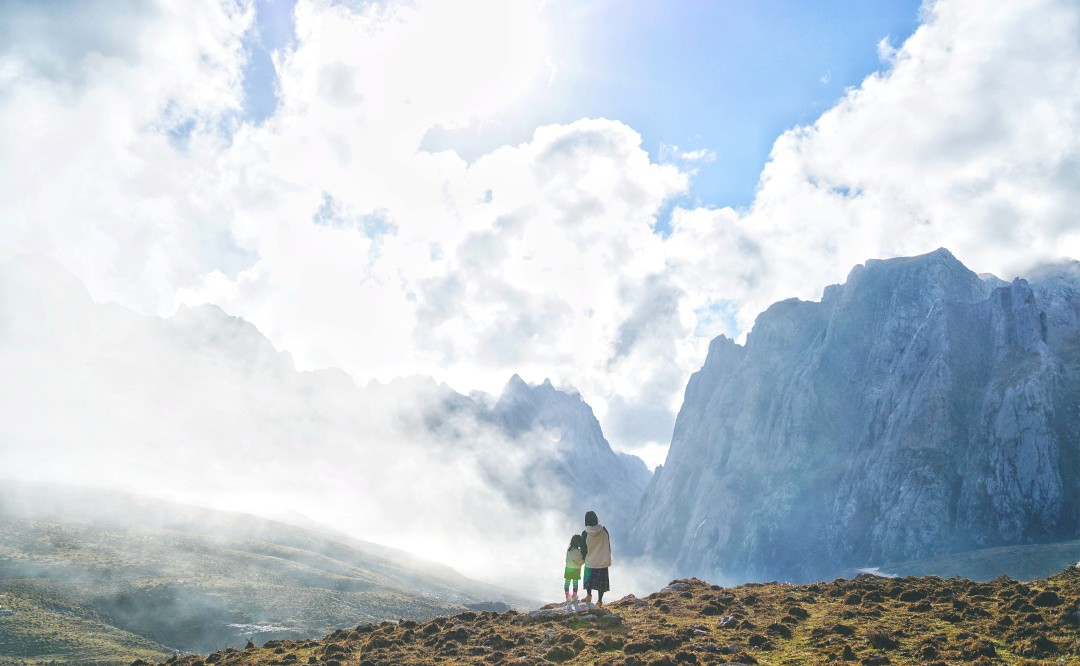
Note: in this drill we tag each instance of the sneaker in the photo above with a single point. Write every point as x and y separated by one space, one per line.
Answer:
574 597
567 595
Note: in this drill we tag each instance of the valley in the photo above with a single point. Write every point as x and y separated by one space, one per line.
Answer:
105 577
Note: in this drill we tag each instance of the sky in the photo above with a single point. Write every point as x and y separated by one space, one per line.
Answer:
583 191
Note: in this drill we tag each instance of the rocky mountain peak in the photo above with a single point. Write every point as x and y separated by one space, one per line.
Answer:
914 282
915 411
208 329
515 386
597 476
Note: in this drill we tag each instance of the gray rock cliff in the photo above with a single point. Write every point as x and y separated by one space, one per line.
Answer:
917 410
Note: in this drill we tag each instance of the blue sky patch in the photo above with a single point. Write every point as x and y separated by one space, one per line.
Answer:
273 30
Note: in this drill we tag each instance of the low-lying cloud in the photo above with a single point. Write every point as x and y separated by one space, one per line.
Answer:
200 408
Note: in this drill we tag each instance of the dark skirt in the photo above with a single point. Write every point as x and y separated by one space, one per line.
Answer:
597 580
572 573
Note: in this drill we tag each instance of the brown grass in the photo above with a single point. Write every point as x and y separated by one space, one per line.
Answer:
868 621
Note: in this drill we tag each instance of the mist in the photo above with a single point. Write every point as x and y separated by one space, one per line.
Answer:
201 409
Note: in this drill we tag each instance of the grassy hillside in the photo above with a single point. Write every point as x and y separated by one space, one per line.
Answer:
44 628
106 578
870 621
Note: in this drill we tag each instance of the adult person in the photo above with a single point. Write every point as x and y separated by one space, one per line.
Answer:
597 558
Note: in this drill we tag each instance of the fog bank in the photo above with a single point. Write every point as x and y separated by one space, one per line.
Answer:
200 408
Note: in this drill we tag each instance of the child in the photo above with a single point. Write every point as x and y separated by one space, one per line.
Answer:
574 560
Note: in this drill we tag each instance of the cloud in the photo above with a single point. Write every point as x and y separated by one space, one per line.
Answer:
201 408
967 140
670 153
90 174
126 158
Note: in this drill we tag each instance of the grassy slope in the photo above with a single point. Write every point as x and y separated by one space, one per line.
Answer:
109 590
47 628
869 620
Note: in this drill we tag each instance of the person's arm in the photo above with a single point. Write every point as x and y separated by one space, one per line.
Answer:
584 544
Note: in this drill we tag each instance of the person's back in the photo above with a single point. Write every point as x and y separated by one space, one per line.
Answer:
597 558
597 547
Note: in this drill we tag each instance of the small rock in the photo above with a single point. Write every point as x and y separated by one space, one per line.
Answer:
676 586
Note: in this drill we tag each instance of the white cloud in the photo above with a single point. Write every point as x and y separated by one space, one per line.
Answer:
971 140
89 173
201 409
669 153
539 258
885 50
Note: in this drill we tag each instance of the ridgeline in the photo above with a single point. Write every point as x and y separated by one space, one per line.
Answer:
870 620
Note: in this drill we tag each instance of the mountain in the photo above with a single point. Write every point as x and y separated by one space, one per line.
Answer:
917 410
870 620
89 576
596 477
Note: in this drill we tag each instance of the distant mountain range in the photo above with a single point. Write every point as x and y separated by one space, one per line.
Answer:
917 410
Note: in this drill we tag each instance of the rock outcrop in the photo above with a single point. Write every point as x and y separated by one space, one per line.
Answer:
917 410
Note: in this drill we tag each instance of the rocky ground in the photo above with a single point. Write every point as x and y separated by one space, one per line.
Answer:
870 621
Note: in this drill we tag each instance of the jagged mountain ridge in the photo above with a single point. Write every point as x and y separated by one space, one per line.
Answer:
600 479
916 410
557 436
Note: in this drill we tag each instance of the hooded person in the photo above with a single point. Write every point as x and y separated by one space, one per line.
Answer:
597 558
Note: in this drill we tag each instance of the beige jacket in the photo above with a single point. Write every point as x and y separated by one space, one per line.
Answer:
598 547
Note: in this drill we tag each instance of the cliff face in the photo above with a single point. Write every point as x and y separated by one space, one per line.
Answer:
916 410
